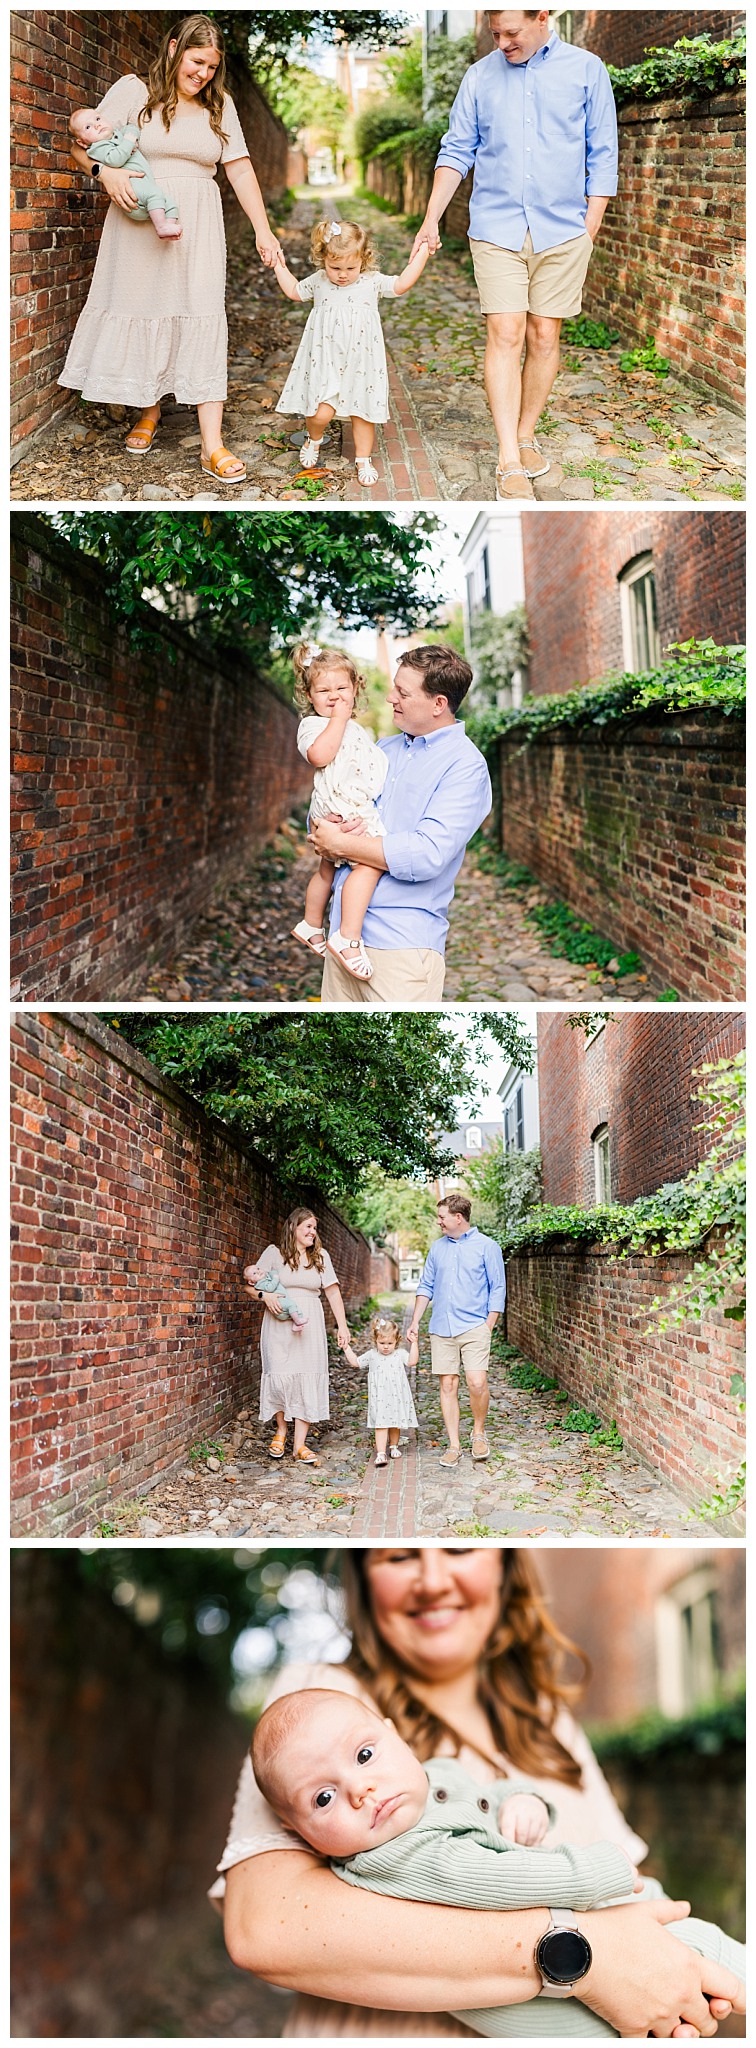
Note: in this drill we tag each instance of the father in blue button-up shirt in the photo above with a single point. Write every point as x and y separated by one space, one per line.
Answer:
537 120
465 1282
436 794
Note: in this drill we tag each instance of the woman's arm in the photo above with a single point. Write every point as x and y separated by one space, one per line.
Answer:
333 1295
244 182
368 1950
413 270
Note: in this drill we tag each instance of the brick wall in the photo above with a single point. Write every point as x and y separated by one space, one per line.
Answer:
640 828
141 778
133 1216
666 1391
670 259
629 1583
620 36
572 566
61 59
639 1077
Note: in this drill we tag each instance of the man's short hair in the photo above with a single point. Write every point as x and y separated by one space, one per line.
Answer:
457 1205
444 673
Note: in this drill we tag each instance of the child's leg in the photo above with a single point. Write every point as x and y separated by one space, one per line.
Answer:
316 422
381 1436
355 899
168 230
318 891
364 436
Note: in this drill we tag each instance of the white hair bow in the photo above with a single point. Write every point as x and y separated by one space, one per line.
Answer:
312 651
333 227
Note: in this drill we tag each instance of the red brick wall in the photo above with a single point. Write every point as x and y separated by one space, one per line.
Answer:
572 591
133 1216
640 828
61 59
140 778
612 1585
670 259
667 1392
639 1077
620 37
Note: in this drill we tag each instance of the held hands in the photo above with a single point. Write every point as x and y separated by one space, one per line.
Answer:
117 184
269 249
524 1819
428 236
413 1348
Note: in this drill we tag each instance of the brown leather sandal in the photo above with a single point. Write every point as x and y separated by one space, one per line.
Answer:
218 466
277 1444
142 435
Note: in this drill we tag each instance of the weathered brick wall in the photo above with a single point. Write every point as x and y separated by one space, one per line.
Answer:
572 590
620 36
670 259
627 1584
133 1216
639 1076
61 59
640 828
141 778
585 1316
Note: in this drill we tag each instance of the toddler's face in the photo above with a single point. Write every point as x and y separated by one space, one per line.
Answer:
343 269
331 687
353 1783
89 126
385 1340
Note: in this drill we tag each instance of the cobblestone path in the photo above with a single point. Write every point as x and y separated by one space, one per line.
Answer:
607 435
241 948
539 1481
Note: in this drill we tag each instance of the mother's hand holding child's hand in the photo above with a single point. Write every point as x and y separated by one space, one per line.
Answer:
269 250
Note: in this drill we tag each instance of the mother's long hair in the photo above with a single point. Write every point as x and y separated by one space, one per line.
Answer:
289 1247
195 32
520 1686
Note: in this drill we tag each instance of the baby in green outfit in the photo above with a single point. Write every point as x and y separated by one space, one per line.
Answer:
119 147
343 1779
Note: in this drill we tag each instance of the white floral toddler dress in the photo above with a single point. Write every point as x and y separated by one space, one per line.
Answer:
341 359
390 1403
350 783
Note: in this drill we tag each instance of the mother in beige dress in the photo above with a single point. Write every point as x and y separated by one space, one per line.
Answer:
457 1648
294 1379
155 318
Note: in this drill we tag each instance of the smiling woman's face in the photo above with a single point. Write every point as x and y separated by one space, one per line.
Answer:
436 1609
196 69
306 1231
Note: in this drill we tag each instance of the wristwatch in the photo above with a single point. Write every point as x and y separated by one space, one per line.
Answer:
563 1955
95 169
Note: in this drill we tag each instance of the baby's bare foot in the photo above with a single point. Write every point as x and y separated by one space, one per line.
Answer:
171 232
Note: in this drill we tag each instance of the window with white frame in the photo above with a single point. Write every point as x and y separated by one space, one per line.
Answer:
514 1123
687 1642
641 646
479 585
602 1165
473 1139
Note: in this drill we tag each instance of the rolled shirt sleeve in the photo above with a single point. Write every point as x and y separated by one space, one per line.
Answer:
497 1277
462 137
601 142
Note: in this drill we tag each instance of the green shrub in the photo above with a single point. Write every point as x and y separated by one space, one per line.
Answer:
695 675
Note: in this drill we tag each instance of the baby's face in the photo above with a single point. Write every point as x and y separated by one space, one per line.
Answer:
343 269
332 687
353 1784
88 126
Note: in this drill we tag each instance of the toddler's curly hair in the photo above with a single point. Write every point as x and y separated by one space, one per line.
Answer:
352 241
309 665
384 1322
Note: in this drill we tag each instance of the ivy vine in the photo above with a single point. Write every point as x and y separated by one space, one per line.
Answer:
695 675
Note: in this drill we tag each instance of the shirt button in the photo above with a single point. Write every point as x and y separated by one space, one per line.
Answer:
440 1794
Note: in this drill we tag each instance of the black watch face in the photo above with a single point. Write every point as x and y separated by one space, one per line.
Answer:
563 1955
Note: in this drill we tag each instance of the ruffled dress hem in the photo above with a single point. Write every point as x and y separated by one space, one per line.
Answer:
300 1396
116 359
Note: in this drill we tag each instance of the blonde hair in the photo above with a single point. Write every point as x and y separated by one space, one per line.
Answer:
309 663
290 1250
521 1684
380 1322
195 32
351 241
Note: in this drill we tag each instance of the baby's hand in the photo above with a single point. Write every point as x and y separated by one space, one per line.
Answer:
523 1819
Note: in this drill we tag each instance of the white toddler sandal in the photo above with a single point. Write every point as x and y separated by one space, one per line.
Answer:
309 454
352 955
367 474
311 935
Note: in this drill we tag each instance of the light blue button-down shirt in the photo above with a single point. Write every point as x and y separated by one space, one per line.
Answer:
464 1278
543 138
436 794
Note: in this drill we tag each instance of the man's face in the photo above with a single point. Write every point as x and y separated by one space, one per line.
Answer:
451 1224
414 711
517 36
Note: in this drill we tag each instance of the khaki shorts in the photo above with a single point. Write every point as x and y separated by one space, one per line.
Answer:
518 281
412 974
472 1348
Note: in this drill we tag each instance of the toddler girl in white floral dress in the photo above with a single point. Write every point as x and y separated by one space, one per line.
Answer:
350 771
340 366
390 1404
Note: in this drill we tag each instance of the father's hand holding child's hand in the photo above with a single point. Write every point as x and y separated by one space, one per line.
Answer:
413 1348
524 1819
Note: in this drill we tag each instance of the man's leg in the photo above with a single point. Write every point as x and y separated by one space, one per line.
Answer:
477 1387
505 334
475 1348
539 371
448 1387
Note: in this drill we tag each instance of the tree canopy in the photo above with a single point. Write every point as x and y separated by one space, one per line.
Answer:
240 577
322 1098
265 36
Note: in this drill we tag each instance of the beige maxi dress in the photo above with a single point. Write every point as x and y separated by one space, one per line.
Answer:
294 1374
155 318
585 1814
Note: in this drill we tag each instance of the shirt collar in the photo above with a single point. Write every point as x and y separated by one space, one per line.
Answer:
471 1231
427 739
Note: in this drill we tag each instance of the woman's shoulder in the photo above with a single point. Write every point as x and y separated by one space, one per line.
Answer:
270 1257
125 97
